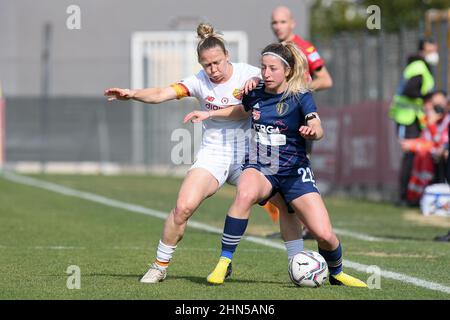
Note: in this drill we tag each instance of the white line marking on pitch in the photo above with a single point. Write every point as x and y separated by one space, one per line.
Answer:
360 236
43 247
126 248
204 227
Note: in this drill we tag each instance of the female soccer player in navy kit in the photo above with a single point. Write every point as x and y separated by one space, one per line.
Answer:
284 115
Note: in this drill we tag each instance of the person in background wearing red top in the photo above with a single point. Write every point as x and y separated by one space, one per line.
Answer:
283 25
430 149
446 237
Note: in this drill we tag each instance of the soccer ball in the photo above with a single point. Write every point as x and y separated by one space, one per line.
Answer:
308 269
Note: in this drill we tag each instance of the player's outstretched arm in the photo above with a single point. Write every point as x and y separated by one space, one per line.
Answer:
312 131
233 113
148 95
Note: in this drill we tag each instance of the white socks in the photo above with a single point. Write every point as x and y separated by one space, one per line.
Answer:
294 247
164 254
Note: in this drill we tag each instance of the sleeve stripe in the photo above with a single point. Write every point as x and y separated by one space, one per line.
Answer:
181 90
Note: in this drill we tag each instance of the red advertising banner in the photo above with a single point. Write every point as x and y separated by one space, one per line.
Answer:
359 147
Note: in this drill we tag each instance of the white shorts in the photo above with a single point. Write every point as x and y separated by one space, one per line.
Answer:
220 164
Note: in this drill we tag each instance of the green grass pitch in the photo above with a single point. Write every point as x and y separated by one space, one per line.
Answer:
42 233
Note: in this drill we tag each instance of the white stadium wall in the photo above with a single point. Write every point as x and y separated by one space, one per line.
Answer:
83 62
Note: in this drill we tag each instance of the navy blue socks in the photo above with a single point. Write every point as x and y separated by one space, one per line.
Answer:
333 259
233 231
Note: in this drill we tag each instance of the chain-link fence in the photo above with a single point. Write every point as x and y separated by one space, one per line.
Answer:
365 66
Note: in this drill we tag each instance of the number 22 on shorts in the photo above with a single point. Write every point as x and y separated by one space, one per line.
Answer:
307 175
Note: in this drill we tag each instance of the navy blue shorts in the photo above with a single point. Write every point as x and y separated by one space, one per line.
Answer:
289 186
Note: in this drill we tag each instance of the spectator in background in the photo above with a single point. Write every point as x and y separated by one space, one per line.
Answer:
407 105
430 148
446 237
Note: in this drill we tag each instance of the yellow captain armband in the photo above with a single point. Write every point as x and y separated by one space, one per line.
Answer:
181 90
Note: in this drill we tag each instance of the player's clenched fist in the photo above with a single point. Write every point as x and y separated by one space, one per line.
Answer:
119 94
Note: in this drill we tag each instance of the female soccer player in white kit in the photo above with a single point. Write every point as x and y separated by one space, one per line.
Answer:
216 86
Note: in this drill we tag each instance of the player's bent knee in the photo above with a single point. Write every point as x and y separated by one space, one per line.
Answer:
325 236
245 198
181 216
183 211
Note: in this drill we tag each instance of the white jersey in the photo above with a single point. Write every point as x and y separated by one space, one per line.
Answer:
214 96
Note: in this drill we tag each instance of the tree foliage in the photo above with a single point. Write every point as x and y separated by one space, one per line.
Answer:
329 17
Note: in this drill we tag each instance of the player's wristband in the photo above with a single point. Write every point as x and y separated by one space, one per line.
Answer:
311 116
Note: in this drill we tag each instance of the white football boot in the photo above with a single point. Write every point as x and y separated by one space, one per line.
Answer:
154 275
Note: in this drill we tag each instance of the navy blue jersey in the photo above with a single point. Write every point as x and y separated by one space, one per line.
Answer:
275 127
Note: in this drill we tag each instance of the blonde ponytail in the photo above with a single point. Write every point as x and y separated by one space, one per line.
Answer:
298 79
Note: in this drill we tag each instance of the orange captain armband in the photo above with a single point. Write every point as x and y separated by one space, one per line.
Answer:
181 90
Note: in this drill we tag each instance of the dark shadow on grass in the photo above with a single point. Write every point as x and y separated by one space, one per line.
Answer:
396 237
137 276
202 280
294 287
275 235
194 279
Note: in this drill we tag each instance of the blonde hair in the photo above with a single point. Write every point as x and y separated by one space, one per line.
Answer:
298 79
209 39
